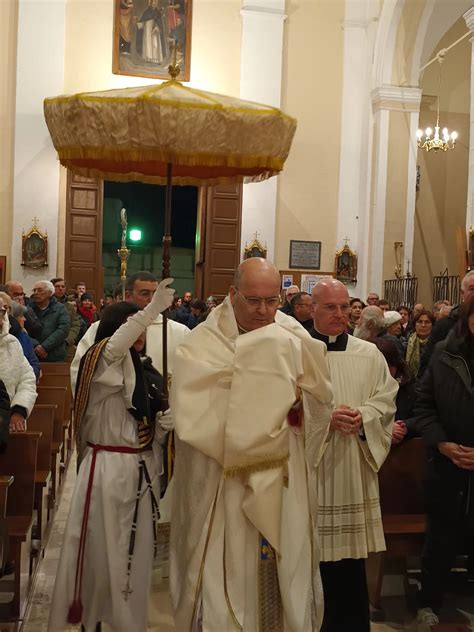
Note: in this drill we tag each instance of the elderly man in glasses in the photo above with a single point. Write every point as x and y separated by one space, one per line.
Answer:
242 552
349 518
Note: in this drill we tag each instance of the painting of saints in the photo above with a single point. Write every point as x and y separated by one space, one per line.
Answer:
144 33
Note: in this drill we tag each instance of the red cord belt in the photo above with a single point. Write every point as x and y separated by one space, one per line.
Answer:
76 608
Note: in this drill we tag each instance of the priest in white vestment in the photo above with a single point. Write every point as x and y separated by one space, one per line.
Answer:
243 552
349 517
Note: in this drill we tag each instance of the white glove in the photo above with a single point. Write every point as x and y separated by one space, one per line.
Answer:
125 336
166 420
162 299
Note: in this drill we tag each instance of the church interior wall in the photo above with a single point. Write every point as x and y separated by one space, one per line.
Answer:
308 189
312 92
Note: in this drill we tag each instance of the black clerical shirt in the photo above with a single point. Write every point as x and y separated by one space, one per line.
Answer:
339 344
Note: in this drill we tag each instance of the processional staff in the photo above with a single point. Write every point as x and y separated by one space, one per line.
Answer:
123 252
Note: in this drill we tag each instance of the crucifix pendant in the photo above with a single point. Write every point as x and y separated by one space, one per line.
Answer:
127 591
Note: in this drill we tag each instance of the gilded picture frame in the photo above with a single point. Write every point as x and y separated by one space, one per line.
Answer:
345 265
144 32
34 248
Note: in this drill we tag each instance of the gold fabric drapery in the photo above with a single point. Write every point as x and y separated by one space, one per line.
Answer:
134 133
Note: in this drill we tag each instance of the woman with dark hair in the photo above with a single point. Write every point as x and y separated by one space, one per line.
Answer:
110 539
406 395
356 307
423 326
444 416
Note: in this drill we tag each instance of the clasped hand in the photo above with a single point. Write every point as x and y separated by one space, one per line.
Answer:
460 455
346 420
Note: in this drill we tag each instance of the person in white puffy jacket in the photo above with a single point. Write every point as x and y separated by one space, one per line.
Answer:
16 373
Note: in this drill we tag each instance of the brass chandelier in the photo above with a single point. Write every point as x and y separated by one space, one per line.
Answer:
427 140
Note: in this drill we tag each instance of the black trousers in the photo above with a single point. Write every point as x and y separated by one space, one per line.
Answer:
346 599
449 529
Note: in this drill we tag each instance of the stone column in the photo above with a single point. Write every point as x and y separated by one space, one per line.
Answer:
389 101
354 165
260 80
40 74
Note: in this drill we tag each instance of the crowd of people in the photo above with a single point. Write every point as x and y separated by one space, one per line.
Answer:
283 415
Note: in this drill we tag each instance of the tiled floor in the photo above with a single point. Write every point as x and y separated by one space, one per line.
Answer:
398 617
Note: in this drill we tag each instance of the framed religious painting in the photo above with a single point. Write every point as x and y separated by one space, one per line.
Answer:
145 32
345 265
34 248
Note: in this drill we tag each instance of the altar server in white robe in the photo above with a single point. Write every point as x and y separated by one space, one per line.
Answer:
243 555
106 558
349 518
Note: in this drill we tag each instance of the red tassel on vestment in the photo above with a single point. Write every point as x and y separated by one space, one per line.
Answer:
74 615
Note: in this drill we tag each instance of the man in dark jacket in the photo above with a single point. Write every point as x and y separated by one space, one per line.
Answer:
444 326
61 296
183 313
444 417
301 309
55 320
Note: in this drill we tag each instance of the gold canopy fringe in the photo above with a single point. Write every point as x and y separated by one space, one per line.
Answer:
261 466
134 176
152 154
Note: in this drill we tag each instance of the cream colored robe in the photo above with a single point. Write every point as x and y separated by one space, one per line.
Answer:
230 398
349 520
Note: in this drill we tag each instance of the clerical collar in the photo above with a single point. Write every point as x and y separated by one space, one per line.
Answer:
333 343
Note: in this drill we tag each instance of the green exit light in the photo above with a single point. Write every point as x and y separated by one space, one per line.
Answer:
135 234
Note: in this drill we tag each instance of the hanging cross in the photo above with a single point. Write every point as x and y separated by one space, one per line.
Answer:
127 591
35 221
256 235
346 241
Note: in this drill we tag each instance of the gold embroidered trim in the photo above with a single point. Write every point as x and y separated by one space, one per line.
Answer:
227 598
201 569
250 468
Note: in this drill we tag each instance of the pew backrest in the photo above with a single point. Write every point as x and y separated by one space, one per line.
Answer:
401 479
42 420
19 461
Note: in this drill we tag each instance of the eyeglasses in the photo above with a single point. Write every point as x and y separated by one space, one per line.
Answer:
3 311
254 302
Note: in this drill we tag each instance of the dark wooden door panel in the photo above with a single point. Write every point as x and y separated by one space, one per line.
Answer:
83 248
222 247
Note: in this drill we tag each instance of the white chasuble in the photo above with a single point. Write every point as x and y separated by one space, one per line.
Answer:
244 482
349 518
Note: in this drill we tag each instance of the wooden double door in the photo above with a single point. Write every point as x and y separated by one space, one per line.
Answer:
217 239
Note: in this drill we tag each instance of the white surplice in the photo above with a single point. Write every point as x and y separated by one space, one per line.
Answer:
241 472
349 518
108 422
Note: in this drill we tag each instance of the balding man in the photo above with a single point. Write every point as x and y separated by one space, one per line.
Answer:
349 518
242 552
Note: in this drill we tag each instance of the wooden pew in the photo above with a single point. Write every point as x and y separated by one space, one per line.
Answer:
19 461
401 481
55 395
42 420
55 367
62 379
5 482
